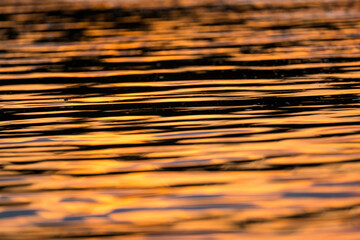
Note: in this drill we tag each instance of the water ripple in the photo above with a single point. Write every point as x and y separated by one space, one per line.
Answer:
179 119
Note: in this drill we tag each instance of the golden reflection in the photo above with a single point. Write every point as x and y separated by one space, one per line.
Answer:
179 119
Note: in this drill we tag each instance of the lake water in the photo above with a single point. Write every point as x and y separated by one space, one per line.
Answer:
179 120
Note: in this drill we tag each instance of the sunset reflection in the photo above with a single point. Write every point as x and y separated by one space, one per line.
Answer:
179 119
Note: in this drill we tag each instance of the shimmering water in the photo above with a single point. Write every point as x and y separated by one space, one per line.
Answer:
179 120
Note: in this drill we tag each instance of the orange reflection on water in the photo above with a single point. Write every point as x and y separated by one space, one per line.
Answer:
157 120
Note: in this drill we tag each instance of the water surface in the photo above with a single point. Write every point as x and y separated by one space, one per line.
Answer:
179 120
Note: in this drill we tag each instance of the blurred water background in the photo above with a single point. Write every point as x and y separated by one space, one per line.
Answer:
179 119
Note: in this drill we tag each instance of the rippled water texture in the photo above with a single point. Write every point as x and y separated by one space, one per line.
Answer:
180 120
